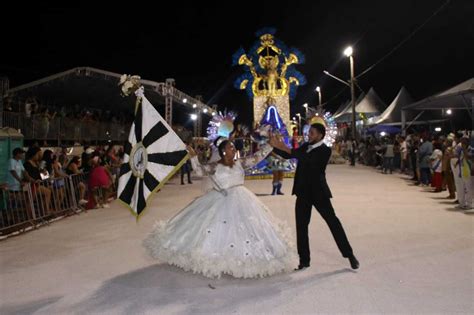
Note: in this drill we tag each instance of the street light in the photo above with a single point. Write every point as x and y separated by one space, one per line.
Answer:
194 116
320 107
438 129
185 100
449 111
204 110
348 52
336 78
305 105
194 105
299 122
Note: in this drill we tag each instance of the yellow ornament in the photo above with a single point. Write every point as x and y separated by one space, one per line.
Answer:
317 120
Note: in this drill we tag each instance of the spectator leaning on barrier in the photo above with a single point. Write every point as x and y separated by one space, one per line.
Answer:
73 169
47 162
62 156
59 179
112 162
99 183
86 156
32 167
17 176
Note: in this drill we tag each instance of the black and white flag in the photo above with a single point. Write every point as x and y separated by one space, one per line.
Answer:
154 152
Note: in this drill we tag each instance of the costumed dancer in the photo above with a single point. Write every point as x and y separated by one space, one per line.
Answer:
228 230
277 166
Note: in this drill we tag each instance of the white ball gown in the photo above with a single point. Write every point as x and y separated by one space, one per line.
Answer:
226 231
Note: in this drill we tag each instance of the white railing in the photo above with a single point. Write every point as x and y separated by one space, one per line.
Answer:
37 127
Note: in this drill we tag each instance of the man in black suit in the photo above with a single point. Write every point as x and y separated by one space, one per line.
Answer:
311 189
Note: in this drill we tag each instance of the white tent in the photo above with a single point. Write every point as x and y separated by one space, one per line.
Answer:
341 108
458 97
371 104
343 115
393 113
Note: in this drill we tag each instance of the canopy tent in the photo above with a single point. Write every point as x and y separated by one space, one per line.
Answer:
341 108
460 97
368 104
418 122
393 113
343 115
371 104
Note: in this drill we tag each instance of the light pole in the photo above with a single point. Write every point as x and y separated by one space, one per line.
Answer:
336 78
348 52
295 123
320 107
299 123
305 105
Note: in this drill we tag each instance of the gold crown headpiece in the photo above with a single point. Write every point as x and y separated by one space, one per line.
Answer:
317 120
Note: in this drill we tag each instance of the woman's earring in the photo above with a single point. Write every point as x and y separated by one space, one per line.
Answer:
223 153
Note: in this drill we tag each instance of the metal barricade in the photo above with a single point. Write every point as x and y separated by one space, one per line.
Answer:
87 131
41 202
52 128
28 128
16 210
78 184
42 198
67 128
12 120
36 204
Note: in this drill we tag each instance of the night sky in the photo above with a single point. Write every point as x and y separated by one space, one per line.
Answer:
193 43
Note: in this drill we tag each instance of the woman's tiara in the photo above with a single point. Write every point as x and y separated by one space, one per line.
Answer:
220 140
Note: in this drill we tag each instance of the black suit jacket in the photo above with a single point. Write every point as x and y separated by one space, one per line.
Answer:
310 177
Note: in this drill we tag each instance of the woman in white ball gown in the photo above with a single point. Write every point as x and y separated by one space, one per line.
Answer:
226 231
